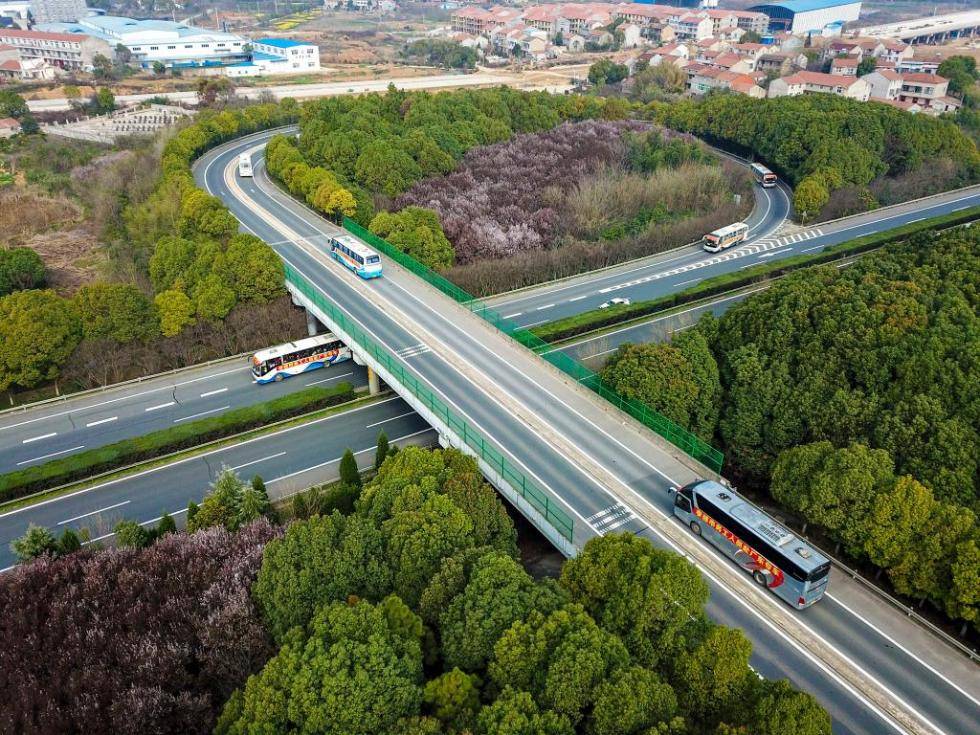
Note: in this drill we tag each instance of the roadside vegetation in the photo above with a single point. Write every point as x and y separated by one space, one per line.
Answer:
146 272
401 609
849 395
841 156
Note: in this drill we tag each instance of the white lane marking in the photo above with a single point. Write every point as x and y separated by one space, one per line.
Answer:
327 380
414 350
915 220
815 247
546 306
906 651
39 438
214 392
753 590
123 398
92 513
109 420
385 421
772 253
579 298
684 283
53 454
158 407
958 209
202 413
331 461
256 461
511 316
196 456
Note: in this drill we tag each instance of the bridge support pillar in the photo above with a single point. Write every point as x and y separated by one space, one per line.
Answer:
313 326
373 387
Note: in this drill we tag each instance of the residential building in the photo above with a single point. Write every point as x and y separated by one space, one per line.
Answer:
811 82
808 16
928 91
16 13
781 62
917 66
886 84
692 27
68 51
845 66
750 21
723 22
705 79
632 36
172 44
58 11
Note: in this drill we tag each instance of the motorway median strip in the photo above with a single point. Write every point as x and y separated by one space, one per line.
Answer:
185 454
99 460
590 321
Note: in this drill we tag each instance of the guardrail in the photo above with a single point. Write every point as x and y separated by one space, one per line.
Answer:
672 432
470 436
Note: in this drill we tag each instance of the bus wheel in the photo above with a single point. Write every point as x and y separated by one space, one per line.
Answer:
760 578
278 377
695 528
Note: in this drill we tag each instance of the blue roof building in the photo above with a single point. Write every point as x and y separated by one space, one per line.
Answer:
809 16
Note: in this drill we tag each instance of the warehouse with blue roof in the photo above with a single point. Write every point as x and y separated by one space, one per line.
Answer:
804 17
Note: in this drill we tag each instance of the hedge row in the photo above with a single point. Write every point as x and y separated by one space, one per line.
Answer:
182 436
597 318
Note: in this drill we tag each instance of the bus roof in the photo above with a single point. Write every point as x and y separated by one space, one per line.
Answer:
355 245
760 168
290 347
729 229
807 557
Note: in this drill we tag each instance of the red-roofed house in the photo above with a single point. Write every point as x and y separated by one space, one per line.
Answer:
886 84
845 66
812 82
692 26
928 91
706 78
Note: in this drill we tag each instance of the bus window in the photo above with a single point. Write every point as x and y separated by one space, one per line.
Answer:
682 503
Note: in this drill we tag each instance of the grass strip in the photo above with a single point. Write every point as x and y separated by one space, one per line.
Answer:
175 438
588 321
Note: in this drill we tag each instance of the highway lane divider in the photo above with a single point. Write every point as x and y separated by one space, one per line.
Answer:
590 321
657 422
122 454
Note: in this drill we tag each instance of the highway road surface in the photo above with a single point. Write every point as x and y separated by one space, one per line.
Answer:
58 429
545 428
650 278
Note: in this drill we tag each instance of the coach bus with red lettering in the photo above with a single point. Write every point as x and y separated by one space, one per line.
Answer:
776 558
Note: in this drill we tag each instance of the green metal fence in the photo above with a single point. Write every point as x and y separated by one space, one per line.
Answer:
672 432
473 438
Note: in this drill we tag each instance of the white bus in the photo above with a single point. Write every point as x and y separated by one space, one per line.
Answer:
301 356
763 176
244 165
357 256
725 237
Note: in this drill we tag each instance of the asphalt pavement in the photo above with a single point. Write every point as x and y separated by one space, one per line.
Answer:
511 401
56 429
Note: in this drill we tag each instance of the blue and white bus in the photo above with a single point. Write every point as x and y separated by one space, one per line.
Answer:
301 356
357 256
777 558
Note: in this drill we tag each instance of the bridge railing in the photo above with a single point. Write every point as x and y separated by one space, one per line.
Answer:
526 488
657 422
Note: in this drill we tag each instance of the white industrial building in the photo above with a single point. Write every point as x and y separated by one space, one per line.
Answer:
277 56
809 16
172 44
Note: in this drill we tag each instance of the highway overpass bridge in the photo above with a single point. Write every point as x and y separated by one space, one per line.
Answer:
575 465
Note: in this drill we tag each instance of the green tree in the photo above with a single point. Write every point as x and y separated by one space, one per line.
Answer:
166 525
103 101
176 311
381 453
253 269
810 196
12 105
357 673
171 263
204 214
498 593
115 311
316 562
220 506
349 473
20 269
560 658
418 232
779 709
961 71
38 331
715 675
515 713
131 534
492 526
253 503
632 700
896 520
454 698
417 539
963 600
69 542
606 71
213 299
386 168
158 68
36 541
866 65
